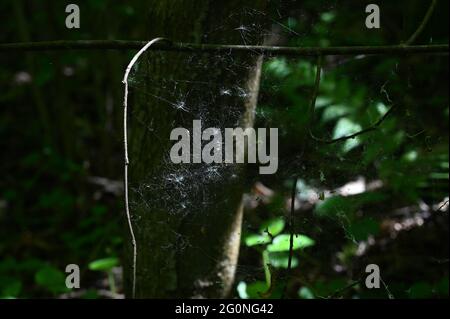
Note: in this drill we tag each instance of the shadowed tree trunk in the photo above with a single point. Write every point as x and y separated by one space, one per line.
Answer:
193 253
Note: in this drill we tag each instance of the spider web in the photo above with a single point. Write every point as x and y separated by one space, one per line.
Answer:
173 86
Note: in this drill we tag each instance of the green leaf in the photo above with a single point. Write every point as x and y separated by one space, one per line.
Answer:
328 17
282 243
362 229
11 288
327 288
333 112
90 294
278 67
322 101
51 279
256 239
334 205
242 290
253 290
305 293
273 226
442 287
104 264
421 290
338 205
346 127
281 260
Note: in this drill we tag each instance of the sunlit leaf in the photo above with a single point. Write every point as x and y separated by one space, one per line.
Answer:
273 226
333 112
281 260
346 127
278 67
104 264
256 239
282 243
305 293
256 289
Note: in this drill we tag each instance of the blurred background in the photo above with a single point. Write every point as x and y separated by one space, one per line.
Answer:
380 198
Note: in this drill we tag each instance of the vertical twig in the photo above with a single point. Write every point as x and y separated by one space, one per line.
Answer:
294 185
291 222
315 92
291 234
125 137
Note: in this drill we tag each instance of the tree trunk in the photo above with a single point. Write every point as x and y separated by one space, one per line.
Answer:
187 217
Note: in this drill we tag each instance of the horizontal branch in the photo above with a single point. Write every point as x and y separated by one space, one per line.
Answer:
187 47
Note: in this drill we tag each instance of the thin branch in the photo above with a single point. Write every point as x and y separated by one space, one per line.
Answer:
351 285
423 24
126 158
291 223
291 233
189 47
359 281
371 128
315 91
294 185
442 206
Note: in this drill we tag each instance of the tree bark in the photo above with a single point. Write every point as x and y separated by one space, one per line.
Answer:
192 253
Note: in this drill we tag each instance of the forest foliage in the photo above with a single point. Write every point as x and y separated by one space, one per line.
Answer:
379 198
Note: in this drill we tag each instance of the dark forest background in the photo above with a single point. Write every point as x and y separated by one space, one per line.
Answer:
381 198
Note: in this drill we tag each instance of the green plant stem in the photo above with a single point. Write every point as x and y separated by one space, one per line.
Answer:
266 262
112 282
